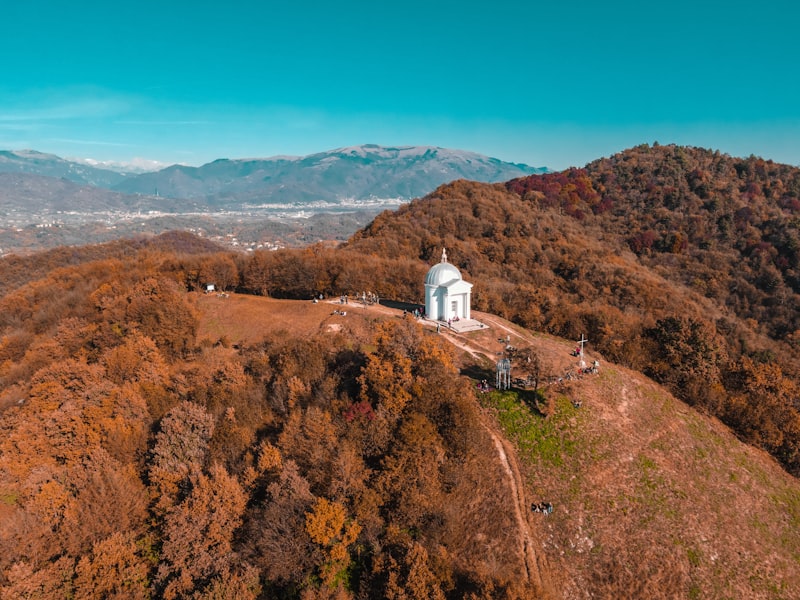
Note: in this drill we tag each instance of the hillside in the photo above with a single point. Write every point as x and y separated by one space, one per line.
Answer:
651 498
49 165
142 455
163 442
724 229
708 311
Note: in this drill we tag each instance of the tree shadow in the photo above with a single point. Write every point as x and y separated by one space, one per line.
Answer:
478 373
533 399
399 305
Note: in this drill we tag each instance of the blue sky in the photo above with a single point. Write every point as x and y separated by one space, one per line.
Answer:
552 84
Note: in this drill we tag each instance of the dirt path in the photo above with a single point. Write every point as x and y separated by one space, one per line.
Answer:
535 567
535 572
462 344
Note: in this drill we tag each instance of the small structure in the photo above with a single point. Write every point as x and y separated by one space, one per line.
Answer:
503 374
210 287
447 296
579 352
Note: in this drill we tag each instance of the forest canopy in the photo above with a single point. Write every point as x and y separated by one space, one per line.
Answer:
139 461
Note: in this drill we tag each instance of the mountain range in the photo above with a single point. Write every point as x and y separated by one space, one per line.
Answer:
358 173
49 165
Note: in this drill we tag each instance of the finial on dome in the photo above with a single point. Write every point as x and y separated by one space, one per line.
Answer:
444 255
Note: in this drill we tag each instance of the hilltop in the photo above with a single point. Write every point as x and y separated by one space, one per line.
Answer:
288 403
295 462
651 498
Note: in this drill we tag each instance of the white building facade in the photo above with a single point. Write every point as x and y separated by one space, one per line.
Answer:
447 296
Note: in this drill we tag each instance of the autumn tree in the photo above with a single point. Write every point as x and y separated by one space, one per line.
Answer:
198 533
761 408
278 542
386 379
685 355
309 439
219 269
114 569
109 498
136 360
242 583
180 450
328 526
406 572
409 480
52 582
161 311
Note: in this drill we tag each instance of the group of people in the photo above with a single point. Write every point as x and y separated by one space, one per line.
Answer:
366 298
594 369
542 507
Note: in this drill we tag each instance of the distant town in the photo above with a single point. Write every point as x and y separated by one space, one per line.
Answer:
24 232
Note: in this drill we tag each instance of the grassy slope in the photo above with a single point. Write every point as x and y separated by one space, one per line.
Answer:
652 499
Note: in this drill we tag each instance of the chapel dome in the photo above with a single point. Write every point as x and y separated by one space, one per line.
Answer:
442 272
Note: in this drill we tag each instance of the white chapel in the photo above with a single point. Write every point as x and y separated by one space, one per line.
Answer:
447 295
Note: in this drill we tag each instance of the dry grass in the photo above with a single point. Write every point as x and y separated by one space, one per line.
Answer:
244 319
652 499
655 500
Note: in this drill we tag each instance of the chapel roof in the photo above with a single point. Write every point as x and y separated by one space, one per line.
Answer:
443 273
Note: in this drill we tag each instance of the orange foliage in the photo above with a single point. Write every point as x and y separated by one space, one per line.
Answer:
328 527
114 569
198 533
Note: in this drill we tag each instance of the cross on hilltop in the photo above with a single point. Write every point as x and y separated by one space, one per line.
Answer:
581 342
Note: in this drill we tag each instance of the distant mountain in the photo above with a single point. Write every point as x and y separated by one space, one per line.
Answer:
357 173
50 165
23 195
354 173
132 167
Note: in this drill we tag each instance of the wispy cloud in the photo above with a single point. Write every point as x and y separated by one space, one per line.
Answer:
88 142
62 105
17 126
163 123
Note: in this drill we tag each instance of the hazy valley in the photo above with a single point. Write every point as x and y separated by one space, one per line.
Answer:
47 201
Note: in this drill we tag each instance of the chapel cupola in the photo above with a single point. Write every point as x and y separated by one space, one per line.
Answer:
447 295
